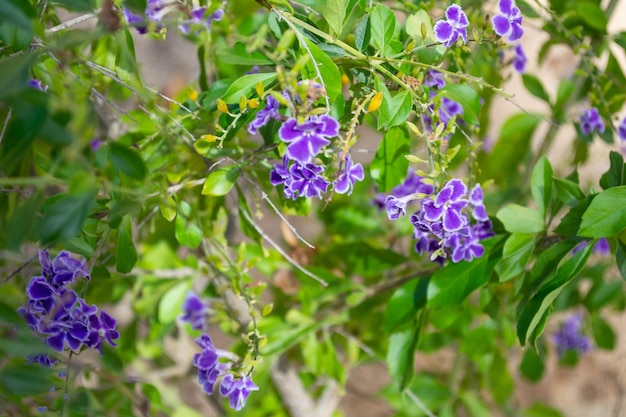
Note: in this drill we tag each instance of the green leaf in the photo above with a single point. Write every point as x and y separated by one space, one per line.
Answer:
534 314
334 12
414 24
398 110
546 265
331 76
220 181
27 380
563 94
603 293
383 24
404 304
534 87
401 354
570 223
188 233
170 305
245 85
541 410
532 366
568 191
389 166
239 55
603 334
516 253
526 9
127 161
509 152
15 72
620 258
64 216
125 60
592 15
606 215
363 34
520 219
542 184
125 253
615 176
500 380
77 5
467 97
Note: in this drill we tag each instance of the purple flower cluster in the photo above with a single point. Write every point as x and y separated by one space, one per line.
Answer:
194 311
200 20
509 21
454 27
570 336
442 225
448 109
157 9
58 315
212 370
591 121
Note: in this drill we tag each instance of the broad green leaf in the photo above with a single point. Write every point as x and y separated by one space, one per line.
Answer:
467 97
415 23
474 405
606 215
331 77
570 223
520 219
383 24
127 161
620 258
125 61
220 181
532 366
401 354
534 87
79 246
187 233
451 284
568 191
404 304
517 251
541 410
546 265
363 34
334 12
510 150
500 379
170 305
563 94
479 341
526 9
244 86
591 14
27 380
22 222
18 12
615 176
602 293
542 184
125 254
239 55
603 334
389 166
399 109
15 72
64 216
533 315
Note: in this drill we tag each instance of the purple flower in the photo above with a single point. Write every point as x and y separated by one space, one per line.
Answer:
395 207
194 311
602 247
350 174
435 79
590 121
37 84
448 110
237 390
412 184
476 200
95 144
280 174
447 206
263 116
305 181
43 360
198 20
448 31
519 62
464 245
133 19
570 336
307 139
621 129
509 21
155 11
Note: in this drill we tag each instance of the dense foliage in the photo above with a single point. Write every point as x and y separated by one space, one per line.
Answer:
133 223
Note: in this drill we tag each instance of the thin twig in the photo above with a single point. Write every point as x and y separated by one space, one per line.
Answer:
71 22
5 124
171 100
281 251
419 403
17 271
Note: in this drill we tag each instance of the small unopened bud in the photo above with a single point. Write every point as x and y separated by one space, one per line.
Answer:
253 103
222 106
375 102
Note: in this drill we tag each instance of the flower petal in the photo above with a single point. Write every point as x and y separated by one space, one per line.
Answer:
501 25
443 31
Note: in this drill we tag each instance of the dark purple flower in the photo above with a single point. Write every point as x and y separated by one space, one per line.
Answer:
591 121
447 206
66 269
207 359
350 174
95 144
307 139
434 79
621 129
107 328
448 31
237 390
194 310
199 20
263 116
412 184
602 247
464 246
280 174
135 20
37 84
476 200
305 181
570 336
519 62
43 360
509 21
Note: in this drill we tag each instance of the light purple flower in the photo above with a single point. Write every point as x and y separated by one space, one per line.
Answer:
307 139
194 311
447 206
570 336
476 200
135 20
509 21
37 84
621 129
519 62
434 79
263 116
448 109
237 390
395 207
448 31
591 121
199 21
464 245
305 181
350 174
280 173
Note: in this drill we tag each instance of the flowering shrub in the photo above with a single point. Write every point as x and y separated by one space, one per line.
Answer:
341 184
